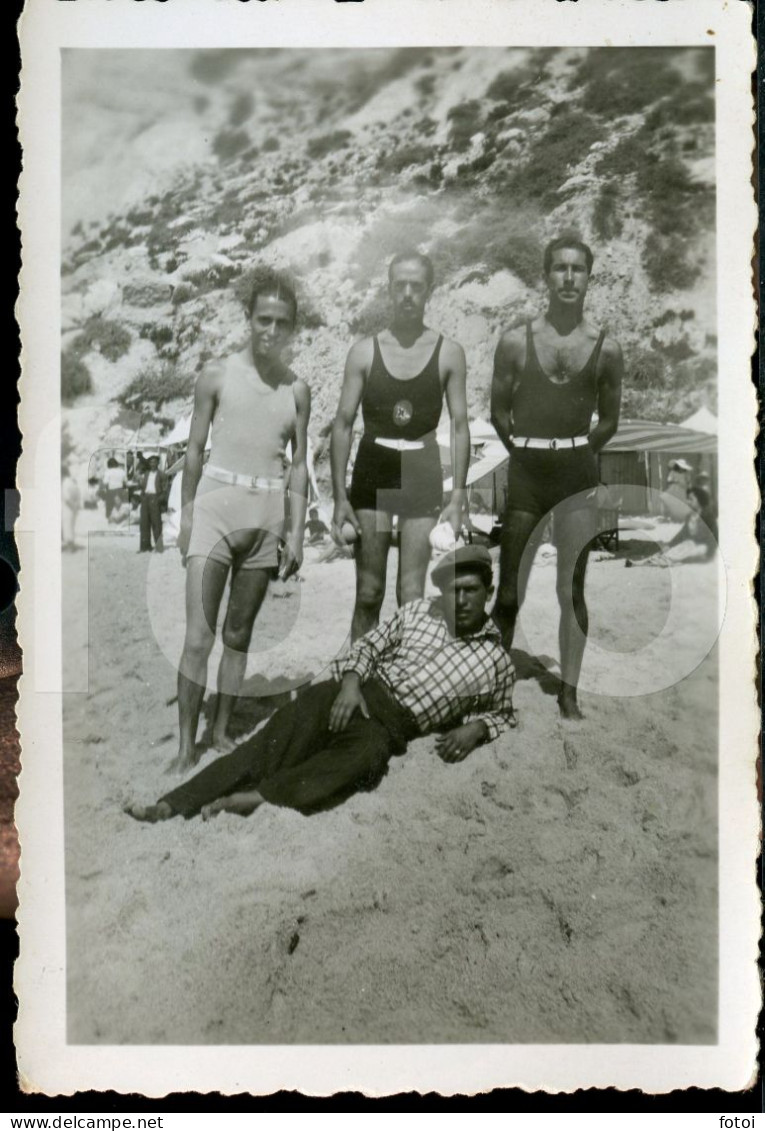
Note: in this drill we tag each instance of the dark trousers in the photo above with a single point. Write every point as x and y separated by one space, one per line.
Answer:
150 521
296 761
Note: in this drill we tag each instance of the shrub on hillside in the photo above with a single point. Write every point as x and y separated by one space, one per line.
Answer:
75 377
566 141
496 240
405 156
110 338
606 220
615 83
155 385
665 261
228 143
241 108
319 147
465 120
270 145
390 234
373 316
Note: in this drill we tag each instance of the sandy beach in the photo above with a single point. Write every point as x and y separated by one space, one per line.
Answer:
559 885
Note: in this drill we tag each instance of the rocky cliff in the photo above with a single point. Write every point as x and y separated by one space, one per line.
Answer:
325 163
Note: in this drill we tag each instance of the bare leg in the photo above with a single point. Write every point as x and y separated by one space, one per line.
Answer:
574 534
413 557
248 588
205 582
241 803
371 563
521 533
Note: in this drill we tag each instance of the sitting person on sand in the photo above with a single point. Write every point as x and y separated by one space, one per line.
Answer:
437 665
696 540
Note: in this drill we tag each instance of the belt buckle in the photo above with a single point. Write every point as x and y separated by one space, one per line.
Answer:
553 445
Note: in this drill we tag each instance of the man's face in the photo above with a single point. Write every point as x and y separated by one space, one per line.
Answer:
464 602
568 277
271 325
409 291
153 463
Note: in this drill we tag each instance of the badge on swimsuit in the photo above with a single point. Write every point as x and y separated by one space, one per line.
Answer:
402 413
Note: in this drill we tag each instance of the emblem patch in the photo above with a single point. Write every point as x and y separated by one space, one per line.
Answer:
402 413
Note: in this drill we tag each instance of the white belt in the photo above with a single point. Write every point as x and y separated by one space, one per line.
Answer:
400 445
253 482
549 445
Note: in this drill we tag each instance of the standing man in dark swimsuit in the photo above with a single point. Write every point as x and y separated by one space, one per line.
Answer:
399 378
549 378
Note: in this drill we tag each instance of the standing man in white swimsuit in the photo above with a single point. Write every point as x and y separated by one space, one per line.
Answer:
233 508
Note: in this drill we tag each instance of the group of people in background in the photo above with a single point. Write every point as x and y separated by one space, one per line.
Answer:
441 664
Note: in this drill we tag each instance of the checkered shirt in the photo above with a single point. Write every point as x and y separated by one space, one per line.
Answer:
442 680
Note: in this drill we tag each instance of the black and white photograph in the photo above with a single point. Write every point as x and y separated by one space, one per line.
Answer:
391 568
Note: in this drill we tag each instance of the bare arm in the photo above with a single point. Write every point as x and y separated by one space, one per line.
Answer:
205 401
293 555
356 369
506 360
609 395
456 400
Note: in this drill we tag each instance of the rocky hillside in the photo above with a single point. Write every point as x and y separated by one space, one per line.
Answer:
325 163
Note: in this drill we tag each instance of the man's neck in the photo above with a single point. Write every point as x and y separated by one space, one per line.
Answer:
564 319
408 333
270 372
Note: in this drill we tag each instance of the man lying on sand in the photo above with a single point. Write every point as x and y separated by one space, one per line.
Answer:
436 665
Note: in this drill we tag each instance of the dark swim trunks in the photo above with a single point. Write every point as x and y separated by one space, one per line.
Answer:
540 480
407 483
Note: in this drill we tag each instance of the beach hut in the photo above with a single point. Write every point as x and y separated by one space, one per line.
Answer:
636 462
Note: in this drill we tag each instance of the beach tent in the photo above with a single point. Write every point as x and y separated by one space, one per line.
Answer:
486 480
179 434
636 461
702 421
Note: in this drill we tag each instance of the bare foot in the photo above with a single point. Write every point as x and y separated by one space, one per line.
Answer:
241 803
182 762
151 813
569 708
223 744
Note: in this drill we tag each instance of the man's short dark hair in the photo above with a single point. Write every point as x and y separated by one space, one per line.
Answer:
268 282
570 242
413 256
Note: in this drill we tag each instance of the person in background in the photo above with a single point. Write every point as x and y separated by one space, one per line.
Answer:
152 487
696 540
71 502
115 483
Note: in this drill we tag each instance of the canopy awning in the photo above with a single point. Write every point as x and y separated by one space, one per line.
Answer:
702 421
651 436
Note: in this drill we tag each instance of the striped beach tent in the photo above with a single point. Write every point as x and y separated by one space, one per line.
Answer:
651 436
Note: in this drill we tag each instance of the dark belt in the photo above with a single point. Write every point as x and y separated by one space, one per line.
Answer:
383 706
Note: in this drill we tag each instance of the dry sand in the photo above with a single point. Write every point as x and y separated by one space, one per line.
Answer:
560 885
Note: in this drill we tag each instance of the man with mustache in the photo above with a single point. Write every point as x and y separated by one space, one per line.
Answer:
400 378
550 377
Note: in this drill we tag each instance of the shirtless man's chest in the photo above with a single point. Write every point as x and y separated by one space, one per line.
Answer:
406 362
561 357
